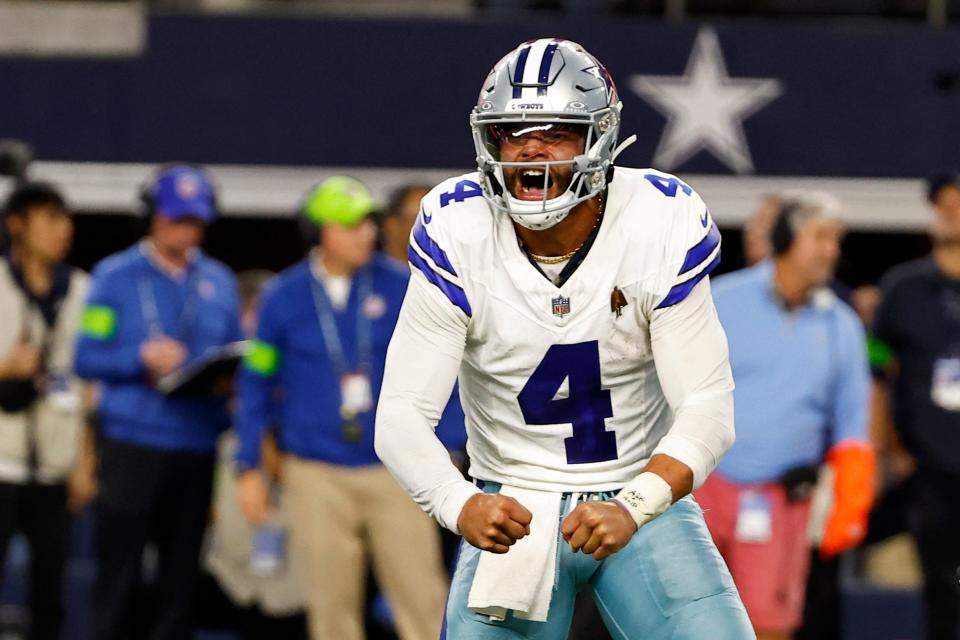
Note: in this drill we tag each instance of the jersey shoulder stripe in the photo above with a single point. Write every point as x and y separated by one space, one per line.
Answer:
693 225
430 246
701 251
453 218
454 293
426 255
679 292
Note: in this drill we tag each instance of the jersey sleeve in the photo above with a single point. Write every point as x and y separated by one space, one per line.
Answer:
692 247
693 365
430 256
421 368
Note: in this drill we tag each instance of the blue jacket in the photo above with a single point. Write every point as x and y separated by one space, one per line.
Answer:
289 375
202 311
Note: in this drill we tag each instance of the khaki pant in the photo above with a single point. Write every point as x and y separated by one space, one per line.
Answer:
341 514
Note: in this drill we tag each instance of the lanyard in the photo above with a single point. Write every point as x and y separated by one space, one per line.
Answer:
328 324
151 313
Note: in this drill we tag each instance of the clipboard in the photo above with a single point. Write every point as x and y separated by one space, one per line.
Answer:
200 375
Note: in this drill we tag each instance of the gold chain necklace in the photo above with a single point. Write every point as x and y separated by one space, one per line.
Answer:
567 256
554 259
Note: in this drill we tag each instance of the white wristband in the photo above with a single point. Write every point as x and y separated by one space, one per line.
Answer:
645 497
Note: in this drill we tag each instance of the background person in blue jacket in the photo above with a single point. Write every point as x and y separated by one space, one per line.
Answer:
322 339
152 307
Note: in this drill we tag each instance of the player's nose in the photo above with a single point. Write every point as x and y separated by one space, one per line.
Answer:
533 148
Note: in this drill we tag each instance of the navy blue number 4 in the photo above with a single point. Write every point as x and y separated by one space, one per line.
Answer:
461 191
586 407
667 186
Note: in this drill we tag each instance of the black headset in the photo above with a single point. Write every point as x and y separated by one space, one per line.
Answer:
308 231
781 236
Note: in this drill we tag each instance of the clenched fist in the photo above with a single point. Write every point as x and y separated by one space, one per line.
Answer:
598 528
493 522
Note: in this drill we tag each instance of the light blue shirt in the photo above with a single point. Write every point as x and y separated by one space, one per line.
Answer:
802 377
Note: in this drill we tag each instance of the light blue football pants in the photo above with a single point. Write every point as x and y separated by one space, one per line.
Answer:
668 583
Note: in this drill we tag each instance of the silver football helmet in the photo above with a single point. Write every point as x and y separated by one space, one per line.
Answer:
545 88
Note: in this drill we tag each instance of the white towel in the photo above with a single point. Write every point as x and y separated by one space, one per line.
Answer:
522 579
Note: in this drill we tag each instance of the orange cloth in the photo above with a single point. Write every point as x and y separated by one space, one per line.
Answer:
854 472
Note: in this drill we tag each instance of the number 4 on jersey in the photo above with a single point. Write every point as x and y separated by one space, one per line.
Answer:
586 406
667 186
461 191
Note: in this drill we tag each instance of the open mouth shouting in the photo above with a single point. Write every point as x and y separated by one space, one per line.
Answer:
537 183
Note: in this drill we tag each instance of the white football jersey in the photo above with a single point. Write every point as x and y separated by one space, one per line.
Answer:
558 383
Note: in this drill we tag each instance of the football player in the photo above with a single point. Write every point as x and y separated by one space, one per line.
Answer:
573 301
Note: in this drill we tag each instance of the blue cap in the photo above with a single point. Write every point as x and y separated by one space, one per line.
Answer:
184 192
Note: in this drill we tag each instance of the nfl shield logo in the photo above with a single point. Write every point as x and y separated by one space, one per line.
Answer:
561 306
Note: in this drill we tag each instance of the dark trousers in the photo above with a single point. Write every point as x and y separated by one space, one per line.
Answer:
216 611
935 524
821 609
40 513
149 495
